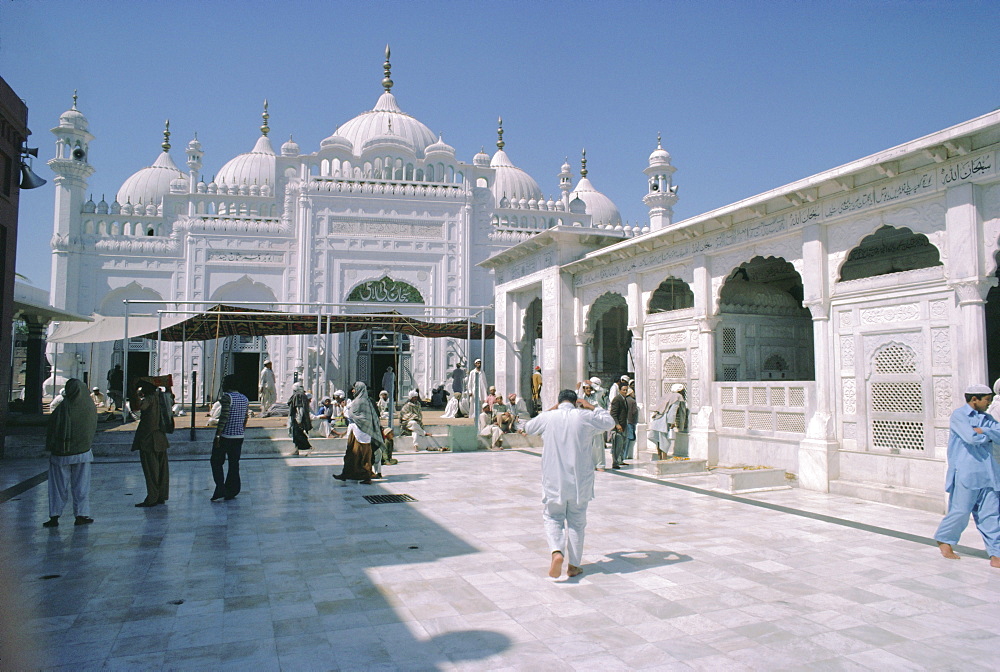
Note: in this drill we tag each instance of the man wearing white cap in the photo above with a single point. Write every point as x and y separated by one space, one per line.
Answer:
267 392
411 418
973 477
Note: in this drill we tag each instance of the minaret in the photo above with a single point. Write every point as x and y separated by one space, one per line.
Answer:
72 171
662 193
566 181
194 157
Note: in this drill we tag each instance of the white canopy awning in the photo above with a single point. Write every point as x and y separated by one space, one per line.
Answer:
109 328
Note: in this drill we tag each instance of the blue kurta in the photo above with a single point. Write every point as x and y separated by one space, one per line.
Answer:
970 454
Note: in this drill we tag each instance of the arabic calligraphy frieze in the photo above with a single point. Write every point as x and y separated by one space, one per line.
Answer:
244 257
385 228
385 290
962 171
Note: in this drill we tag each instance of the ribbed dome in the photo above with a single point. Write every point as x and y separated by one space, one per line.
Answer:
386 120
254 167
481 159
600 208
439 147
73 118
290 148
511 181
151 183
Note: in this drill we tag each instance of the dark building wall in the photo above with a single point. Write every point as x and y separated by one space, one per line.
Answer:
13 132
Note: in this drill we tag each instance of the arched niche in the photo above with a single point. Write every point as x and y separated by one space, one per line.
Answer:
112 305
245 290
609 348
764 332
672 294
889 250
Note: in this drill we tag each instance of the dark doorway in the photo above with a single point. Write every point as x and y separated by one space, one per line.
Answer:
138 366
380 364
246 369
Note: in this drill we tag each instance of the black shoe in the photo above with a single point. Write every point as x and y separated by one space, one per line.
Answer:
616 466
83 520
141 505
217 496
340 477
53 521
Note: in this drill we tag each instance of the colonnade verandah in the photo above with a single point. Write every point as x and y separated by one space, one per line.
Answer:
932 266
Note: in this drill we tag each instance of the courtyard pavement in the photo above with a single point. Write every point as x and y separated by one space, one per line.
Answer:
300 572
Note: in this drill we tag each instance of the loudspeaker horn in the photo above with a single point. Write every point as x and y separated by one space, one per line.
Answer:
28 178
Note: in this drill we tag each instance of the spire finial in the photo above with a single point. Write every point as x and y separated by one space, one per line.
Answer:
500 142
264 128
583 164
74 99
387 67
166 136
658 145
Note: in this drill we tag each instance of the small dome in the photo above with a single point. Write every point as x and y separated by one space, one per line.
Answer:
386 120
601 209
254 166
387 142
290 148
102 207
481 159
659 156
511 181
90 206
337 142
439 147
194 145
566 168
150 184
179 185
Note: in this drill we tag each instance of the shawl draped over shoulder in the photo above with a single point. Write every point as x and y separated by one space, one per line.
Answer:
73 423
364 414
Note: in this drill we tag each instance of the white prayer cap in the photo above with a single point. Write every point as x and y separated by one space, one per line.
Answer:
414 393
266 362
338 393
625 378
298 387
596 381
95 389
478 361
677 387
978 390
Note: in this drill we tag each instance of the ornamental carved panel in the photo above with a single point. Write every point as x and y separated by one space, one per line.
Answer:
847 351
942 397
939 309
904 312
941 346
673 338
850 386
846 319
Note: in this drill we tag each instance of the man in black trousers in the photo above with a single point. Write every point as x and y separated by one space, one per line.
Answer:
229 440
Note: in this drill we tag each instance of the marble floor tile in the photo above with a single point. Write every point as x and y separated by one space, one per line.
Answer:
301 573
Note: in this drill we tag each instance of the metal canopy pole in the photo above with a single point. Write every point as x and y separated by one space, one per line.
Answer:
125 368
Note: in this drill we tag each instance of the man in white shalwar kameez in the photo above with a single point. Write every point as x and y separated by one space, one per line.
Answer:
267 392
567 474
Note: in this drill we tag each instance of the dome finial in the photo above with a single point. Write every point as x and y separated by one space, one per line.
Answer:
74 99
387 67
264 128
583 164
658 145
166 136
500 142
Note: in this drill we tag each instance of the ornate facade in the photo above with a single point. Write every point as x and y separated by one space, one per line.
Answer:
382 212
827 327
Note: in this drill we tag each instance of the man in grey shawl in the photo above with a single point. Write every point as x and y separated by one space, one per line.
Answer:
363 459
299 418
69 436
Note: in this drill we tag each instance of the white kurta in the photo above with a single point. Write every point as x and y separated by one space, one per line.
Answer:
567 463
451 410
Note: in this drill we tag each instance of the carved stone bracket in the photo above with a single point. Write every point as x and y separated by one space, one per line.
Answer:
974 290
819 309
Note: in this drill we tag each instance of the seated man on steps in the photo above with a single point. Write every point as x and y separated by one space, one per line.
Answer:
411 420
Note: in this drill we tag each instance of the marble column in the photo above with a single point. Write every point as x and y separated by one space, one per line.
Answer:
703 438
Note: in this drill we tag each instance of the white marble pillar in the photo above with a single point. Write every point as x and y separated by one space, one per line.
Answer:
703 438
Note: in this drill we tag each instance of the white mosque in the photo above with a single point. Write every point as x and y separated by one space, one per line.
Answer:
383 211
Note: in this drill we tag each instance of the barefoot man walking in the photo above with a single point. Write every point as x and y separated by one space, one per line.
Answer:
973 477
567 474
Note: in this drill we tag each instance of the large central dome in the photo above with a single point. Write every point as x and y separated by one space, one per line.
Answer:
386 122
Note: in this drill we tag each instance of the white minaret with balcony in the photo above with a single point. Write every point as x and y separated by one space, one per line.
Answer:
662 193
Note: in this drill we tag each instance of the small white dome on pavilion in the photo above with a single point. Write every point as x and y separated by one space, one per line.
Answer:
150 184
256 165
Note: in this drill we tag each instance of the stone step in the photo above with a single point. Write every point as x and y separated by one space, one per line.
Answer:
911 498
751 480
677 467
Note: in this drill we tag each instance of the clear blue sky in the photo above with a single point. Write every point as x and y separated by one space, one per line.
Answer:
748 95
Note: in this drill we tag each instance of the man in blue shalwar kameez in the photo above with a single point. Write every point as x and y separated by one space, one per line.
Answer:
973 478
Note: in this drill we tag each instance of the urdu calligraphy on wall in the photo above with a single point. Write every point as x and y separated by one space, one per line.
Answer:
244 257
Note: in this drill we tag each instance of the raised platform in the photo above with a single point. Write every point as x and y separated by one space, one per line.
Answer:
677 467
751 480
910 498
